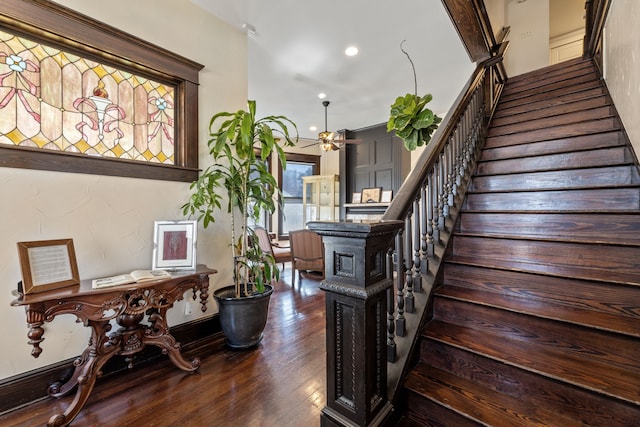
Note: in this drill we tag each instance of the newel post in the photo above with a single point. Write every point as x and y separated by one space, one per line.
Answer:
356 286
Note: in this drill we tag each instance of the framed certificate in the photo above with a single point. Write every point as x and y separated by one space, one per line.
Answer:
371 195
48 264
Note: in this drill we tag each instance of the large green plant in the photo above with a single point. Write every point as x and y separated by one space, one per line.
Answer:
240 147
409 117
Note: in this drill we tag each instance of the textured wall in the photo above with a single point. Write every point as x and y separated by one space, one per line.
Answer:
111 219
622 64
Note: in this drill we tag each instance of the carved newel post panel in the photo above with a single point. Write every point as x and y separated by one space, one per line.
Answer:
356 283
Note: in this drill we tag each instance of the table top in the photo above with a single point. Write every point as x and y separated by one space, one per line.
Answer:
85 287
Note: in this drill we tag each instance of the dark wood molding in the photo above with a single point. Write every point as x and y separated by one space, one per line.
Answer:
474 32
28 387
33 158
55 25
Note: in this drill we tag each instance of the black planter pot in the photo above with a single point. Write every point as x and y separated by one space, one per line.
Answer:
243 319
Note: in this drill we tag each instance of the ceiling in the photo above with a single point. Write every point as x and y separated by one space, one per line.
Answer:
297 51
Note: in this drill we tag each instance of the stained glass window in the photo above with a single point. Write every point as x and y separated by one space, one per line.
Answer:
55 100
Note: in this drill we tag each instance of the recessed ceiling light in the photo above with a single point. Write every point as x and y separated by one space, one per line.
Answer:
351 51
313 128
322 95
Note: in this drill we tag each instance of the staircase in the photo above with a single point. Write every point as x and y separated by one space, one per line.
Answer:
536 314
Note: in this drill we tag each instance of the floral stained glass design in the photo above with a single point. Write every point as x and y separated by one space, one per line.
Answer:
55 100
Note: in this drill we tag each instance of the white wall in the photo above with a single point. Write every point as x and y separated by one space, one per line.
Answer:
529 38
622 64
110 219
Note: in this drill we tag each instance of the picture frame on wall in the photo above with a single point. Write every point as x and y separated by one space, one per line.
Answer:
386 196
356 198
48 265
174 245
371 195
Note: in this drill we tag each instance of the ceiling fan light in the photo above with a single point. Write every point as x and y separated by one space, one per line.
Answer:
327 146
323 136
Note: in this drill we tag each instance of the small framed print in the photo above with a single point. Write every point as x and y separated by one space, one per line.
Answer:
356 198
371 195
385 196
47 265
174 245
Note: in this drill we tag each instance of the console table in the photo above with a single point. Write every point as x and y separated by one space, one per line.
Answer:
95 308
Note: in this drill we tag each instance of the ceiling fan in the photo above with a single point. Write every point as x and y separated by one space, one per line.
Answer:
332 141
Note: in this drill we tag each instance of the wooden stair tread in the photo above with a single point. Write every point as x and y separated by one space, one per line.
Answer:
581 178
480 403
549 95
561 398
601 296
556 132
605 227
506 112
580 200
549 70
544 121
597 158
534 88
543 358
554 146
556 110
555 309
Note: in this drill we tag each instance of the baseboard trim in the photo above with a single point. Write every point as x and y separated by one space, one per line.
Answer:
29 387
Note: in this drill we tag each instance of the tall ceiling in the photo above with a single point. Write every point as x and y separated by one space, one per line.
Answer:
296 51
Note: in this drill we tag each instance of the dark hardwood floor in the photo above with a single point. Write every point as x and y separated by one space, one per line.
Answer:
279 383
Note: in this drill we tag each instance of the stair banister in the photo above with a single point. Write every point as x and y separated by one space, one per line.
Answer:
373 313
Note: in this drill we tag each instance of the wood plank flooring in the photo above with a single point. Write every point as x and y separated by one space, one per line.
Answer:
279 383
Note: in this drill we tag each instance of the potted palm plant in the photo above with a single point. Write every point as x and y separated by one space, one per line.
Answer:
240 145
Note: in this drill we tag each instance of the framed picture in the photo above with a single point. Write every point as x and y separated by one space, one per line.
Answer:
385 196
371 195
174 245
356 198
48 264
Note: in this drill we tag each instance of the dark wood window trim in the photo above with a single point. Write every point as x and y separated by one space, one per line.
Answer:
62 27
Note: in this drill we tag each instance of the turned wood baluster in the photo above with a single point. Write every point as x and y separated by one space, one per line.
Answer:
400 319
391 327
409 301
417 278
433 200
424 227
442 194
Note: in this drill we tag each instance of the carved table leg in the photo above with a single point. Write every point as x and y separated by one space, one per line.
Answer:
88 368
35 320
158 334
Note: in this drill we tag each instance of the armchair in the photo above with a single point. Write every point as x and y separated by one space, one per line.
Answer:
282 254
307 252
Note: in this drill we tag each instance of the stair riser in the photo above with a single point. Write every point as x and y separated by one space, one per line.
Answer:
547 86
550 95
600 200
586 142
579 405
551 338
587 228
556 132
556 120
429 413
582 159
549 72
566 108
506 112
587 261
557 180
